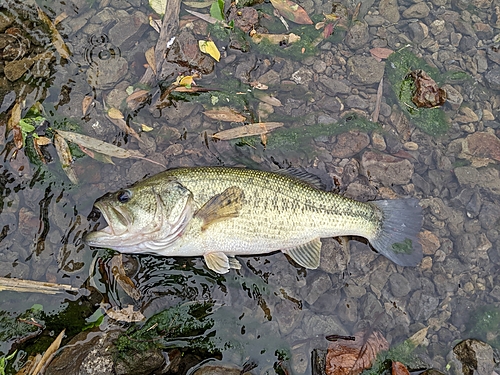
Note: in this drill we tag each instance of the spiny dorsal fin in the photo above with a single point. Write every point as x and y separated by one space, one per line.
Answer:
307 255
305 176
218 262
221 206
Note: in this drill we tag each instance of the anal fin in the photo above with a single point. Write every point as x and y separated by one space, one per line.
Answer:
218 262
221 206
307 255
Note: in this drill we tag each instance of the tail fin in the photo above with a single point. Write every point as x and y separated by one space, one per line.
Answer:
397 239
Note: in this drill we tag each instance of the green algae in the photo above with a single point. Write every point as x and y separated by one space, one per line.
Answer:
484 324
432 121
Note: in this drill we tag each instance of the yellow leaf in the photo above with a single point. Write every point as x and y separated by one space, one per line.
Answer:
146 128
158 6
15 117
42 141
186 81
115 113
209 47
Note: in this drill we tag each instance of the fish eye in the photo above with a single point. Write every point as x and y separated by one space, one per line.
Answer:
124 196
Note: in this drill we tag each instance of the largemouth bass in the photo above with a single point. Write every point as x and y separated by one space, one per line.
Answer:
219 212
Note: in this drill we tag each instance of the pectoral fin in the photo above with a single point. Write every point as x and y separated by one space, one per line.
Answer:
307 255
221 206
218 262
234 263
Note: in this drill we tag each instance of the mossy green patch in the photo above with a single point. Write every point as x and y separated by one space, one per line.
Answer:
432 121
404 353
297 138
178 326
484 324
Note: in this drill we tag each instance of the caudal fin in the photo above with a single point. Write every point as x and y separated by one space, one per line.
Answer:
397 240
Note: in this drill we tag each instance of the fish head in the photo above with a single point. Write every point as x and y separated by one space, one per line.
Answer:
150 212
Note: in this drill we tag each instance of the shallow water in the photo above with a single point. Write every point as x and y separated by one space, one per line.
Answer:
271 309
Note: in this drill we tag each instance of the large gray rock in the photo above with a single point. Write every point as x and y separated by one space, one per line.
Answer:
365 70
386 169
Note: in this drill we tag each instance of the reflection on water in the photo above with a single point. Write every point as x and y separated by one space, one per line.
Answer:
271 309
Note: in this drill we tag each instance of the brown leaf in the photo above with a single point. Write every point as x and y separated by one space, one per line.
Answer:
224 114
292 11
352 357
15 117
57 39
399 369
64 154
17 136
248 130
275 38
150 58
125 315
381 53
122 124
86 102
122 279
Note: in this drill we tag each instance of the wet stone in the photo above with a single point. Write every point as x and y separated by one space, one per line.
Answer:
418 34
349 144
400 287
356 101
489 215
14 70
386 169
389 10
334 86
471 356
129 29
422 306
107 73
487 178
365 70
316 286
418 10
288 315
302 76
317 324
358 35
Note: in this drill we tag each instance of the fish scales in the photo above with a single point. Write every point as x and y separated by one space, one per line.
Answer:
220 212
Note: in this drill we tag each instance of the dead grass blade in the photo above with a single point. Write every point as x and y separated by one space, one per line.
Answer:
380 90
30 286
49 354
259 128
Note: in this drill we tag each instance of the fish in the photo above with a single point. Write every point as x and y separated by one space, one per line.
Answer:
223 212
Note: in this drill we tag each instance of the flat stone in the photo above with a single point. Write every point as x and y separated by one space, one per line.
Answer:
399 285
349 144
418 10
358 36
106 73
14 70
389 10
334 86
386 169
129 30
429 241
365 70
487 178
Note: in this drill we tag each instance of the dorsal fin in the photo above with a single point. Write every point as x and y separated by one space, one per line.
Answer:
305 176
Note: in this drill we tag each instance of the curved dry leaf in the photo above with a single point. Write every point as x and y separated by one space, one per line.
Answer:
292 11
115 113
352 357
259 128
122 279
125 315
150 58
15 117
57 39
122 124
381 53
49 354
86 102
266 98
42 141
224 114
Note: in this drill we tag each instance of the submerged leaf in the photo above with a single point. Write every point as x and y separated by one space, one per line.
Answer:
260 128
86 102
151 59
125 315
158 6
99 146
115 113
122 279
217 10
57 39
209 47
292 11
64 154
49 354
275 38
224 114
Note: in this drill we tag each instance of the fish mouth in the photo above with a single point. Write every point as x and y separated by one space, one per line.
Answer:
119 222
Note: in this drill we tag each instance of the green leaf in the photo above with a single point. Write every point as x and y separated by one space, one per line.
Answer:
217 10
26 126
